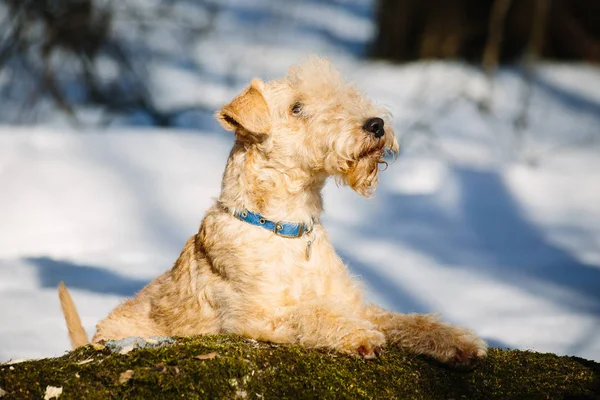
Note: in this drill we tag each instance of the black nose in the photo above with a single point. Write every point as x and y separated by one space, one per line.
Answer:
374 126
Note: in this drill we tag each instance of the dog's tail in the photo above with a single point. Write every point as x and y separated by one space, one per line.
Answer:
76 332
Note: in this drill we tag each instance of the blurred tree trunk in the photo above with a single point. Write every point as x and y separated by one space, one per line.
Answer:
399 23
443 31
491 53
414 29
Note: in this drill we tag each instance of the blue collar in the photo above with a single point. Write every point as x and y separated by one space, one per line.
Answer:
283 229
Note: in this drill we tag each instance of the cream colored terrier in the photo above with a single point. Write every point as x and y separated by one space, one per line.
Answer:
250 273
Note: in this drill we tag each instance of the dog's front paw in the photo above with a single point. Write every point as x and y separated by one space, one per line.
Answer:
467 350
367 344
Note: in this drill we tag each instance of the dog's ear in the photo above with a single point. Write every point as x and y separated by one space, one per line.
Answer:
248 114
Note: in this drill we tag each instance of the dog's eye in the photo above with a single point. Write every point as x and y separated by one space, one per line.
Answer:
297 109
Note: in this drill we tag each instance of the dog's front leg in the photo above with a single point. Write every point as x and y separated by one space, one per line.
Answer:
426 334
324 324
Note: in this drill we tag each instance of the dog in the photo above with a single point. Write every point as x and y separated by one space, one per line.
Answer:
261 265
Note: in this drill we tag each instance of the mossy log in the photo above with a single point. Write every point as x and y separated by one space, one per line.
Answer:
227 367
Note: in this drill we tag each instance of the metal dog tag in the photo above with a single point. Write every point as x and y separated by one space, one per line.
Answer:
308 245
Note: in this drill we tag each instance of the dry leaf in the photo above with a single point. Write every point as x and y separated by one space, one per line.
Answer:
52 392
126 349
206 356
125 376
2 392
97 346
89 360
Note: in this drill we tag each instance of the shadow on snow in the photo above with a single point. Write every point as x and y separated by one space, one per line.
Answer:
488 231
91 278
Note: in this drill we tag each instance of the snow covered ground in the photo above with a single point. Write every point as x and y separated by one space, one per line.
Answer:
493 223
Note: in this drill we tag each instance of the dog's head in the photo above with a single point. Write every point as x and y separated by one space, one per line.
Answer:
313 120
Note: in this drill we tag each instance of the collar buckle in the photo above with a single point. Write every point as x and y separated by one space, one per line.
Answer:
300 230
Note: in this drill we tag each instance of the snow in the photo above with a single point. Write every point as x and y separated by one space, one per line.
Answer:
512 251
494 225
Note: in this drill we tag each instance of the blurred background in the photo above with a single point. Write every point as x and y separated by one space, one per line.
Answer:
109 153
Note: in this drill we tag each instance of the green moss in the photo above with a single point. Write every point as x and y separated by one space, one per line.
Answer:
249 369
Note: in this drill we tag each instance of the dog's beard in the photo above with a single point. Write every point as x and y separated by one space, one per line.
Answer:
363 175
361 170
